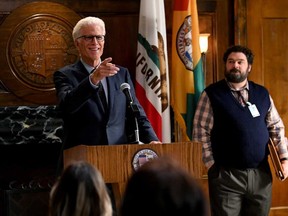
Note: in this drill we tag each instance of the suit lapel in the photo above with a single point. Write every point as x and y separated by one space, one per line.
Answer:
112 89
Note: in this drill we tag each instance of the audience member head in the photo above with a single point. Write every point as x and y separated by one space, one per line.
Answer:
80 191
161 187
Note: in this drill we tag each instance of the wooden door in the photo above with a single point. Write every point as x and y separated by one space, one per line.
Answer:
267 36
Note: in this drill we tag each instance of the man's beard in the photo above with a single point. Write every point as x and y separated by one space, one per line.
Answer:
235 76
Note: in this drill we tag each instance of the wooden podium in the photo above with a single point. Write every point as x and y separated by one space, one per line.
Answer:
115 162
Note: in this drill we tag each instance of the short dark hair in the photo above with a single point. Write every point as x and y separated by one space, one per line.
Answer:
162 187
238 48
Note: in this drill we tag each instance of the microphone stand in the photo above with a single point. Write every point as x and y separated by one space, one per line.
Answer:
134 108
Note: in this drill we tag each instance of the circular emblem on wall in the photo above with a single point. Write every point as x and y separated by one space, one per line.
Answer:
184 43
39 46
143 156
36 40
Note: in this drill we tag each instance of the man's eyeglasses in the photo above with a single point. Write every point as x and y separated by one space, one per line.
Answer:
90 38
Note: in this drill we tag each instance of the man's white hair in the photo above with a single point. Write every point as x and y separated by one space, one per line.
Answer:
86 22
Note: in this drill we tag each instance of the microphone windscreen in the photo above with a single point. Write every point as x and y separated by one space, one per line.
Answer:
124 86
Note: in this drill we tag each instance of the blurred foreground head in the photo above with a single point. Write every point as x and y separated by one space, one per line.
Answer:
162 187
80 191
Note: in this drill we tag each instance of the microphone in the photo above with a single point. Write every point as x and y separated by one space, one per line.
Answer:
125 88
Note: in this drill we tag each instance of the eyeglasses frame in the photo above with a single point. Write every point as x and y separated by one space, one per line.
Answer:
90 38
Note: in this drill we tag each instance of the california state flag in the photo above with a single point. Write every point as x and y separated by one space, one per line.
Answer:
152 79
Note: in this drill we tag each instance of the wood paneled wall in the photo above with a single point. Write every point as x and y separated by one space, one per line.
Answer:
228 22
265 32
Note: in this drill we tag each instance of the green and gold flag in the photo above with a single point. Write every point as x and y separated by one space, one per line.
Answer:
187 72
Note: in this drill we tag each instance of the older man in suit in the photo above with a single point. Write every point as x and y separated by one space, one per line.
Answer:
87 118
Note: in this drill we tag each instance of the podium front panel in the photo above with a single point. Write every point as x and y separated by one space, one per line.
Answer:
115 162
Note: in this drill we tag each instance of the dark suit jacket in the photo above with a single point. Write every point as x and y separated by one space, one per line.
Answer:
85 120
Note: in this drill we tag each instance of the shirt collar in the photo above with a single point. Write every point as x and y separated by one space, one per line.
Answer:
245 87
89 68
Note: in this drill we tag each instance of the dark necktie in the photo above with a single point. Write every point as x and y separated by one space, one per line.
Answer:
241 98
102 96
